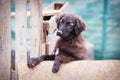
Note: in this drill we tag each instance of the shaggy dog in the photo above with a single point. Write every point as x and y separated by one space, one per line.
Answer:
70 46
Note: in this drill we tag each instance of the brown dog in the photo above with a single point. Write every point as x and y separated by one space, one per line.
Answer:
70 46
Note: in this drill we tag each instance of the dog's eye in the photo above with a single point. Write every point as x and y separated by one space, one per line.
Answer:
70 23
62 21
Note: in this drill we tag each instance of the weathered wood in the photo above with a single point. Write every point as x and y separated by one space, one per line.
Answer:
13 75
5 37
36 30
56 8
13 14
20 46
76 70
45 31
49 26
21 30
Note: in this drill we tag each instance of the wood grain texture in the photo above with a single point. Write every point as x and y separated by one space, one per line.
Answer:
76 70
5 37
36 30
53 10
20 44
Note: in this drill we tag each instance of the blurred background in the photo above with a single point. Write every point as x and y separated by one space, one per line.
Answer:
102 18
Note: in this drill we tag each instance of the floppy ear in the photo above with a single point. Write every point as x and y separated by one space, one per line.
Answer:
80 25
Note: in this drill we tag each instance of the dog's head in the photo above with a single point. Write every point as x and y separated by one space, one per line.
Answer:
69 25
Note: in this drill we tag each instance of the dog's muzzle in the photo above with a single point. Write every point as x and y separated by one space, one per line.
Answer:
59 33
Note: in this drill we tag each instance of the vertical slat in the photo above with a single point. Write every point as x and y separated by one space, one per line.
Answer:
36 27
5 40
21 18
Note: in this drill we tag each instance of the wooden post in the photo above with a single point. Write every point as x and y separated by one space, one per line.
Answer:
49 25
21 19
5 37
45 36
36 30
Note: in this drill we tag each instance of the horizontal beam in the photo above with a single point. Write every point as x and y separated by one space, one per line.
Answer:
76 70
45 13
13 14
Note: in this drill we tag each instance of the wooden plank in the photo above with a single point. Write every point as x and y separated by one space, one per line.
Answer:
13 75
56 8
21 19
65 8
49 25
13 14
5 37
76 70
36 31
45 30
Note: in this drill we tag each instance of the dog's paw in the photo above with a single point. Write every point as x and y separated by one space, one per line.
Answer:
55 69
32 62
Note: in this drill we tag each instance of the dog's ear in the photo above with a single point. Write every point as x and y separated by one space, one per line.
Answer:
80 25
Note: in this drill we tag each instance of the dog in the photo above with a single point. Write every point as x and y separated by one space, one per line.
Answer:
69 47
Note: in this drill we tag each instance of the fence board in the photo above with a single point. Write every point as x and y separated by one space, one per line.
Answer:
21 19
36 27
5 38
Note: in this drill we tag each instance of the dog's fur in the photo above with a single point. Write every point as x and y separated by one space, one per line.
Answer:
70 46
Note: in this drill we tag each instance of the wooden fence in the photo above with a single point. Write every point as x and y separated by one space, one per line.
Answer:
84 70
20 35
35 32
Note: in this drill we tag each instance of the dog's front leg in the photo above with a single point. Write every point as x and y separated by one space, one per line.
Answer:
32 62
56 65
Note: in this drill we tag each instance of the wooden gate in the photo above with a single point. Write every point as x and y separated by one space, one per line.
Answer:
21 46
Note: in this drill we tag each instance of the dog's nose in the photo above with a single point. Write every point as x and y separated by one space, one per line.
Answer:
59 32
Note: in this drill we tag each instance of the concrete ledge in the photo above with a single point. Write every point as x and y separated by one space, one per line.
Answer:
77 70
